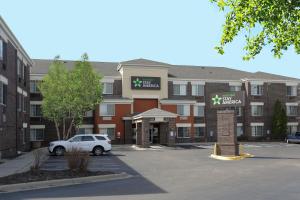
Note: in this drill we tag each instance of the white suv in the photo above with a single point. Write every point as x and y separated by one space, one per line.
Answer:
95 143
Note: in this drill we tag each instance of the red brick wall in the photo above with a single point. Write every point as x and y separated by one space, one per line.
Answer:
142 105
121 110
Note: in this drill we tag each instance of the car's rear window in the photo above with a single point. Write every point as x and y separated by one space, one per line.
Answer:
100 138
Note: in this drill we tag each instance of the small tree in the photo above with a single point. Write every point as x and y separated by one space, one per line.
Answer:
279 121
67 95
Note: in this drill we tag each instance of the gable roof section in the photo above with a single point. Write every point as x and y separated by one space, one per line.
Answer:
155 112
144 62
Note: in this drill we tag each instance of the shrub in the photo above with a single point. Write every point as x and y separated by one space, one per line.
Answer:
78 160
37 155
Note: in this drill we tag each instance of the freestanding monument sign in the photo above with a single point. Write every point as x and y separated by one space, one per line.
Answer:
226 121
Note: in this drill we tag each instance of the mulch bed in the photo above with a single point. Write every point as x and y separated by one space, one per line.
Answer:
43 175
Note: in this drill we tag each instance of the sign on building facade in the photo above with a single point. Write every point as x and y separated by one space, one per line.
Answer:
227 99
145 83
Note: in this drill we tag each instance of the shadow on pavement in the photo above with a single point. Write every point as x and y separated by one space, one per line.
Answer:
274 158
131 186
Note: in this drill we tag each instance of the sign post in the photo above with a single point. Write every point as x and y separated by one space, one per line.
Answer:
226 121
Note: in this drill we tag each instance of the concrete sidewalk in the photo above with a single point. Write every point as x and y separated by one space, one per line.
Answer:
21 163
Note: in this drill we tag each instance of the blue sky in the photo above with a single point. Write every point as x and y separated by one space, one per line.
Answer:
173 31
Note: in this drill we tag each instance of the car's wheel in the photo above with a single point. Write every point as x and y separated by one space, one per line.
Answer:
59 151
97 151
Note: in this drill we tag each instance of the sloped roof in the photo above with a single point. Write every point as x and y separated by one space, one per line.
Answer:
41 66
155 112
144 62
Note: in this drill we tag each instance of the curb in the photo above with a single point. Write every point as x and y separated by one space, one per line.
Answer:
61 182
240 157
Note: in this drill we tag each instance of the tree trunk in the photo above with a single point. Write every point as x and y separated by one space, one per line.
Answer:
69 129
64 127
57 129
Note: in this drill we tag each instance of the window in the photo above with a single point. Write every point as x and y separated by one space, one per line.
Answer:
291 129
88 113
291 110
183 132
291 91
1 49
239 130
183 110
35 110
256 90
238 111
3 93
108 88
76 139
24 104
87 138
19 102
198 90
179 89
257 130
235 88
257 110
199 131
36 134
34 86
110 132
107 109
100 138
84 131
198 111
19 68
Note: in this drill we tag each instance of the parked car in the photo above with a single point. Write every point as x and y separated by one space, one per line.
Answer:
95 143
293 138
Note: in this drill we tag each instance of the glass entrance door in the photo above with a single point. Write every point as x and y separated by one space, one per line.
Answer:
154 134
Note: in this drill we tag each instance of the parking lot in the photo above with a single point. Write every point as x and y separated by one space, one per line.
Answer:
187 173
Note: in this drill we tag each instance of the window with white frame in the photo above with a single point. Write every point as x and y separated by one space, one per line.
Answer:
19 68
1 49
256 90
235 88
34 86
35 110
110 132
291 129
199 110
183 109
179 89
291 91
183 132
108 88
257 130
36 134
239 130
291 110
3 93
197 90
238 111
88 113
107 109
84 131
257 110
199 131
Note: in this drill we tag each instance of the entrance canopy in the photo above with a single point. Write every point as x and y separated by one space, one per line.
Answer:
155 113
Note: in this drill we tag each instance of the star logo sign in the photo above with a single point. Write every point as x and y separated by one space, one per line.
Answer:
137 82
216 100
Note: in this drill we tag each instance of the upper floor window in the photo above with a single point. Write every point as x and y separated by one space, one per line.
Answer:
35 110
256 90
3 93
239 130
88 113
257 110
179 89
1 49
19 68
20 97
238 111
107 109
34 86
235 88
198 111
291 91
183 110
24 103
197 90
108 88
291 110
